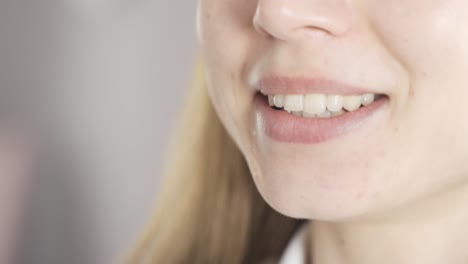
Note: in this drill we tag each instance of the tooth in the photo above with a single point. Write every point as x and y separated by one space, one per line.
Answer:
368 99
337 113
315 103
293 102
325 114
278 100
270 100
297 113
334 103
352 102
305 114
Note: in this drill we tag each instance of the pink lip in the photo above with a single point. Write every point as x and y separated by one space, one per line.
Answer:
275 84
284 127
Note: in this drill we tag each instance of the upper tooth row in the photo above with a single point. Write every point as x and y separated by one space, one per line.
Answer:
319 103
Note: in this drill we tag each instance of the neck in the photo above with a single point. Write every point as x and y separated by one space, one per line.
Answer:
433 231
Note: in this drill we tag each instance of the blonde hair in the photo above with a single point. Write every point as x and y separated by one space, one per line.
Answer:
209 210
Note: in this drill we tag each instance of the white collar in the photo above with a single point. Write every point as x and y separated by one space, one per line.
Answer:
295 250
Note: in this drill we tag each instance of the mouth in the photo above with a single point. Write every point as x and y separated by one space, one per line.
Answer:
317 117
318 105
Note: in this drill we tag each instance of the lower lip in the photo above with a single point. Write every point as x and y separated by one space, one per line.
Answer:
284 127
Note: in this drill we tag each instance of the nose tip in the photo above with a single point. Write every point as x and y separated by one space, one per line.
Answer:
282 19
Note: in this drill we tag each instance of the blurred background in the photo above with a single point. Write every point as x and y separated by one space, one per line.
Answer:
89 93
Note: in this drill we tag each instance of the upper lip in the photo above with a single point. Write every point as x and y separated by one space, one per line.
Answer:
277 84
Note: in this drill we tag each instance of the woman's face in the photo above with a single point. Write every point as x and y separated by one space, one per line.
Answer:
406 146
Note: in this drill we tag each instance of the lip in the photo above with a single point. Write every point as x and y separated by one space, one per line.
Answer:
276 84
284 127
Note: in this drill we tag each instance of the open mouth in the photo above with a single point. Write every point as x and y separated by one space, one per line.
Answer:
315 118
321 105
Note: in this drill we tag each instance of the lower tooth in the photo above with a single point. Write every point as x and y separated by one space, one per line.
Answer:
337 113
305 114
325 114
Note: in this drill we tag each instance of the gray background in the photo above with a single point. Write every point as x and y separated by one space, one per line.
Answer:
98 83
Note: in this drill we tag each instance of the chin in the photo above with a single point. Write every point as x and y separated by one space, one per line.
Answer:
311 184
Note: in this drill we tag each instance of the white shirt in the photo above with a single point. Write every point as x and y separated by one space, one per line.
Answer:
295 250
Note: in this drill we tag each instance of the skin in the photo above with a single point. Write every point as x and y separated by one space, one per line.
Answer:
401 180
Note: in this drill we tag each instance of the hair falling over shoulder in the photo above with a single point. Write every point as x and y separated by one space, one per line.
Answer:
209 210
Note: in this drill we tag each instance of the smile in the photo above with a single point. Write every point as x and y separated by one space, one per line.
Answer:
313 119
320 105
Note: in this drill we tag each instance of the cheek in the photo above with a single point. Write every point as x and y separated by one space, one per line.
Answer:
227 38
430 41
424 37
225 30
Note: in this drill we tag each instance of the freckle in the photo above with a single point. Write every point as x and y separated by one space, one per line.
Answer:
360 194
366 164
411 92
381 154
342 241
326 185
